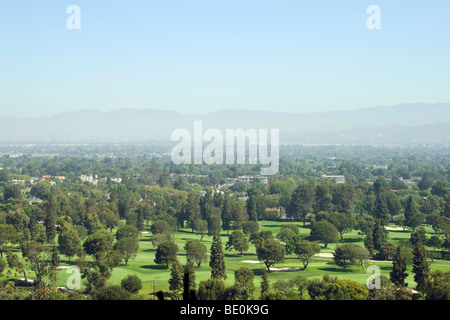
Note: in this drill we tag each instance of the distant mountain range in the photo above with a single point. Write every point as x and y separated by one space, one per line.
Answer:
404 124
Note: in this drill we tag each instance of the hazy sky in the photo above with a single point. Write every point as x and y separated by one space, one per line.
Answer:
198 56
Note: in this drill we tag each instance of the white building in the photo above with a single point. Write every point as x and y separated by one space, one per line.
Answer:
337 179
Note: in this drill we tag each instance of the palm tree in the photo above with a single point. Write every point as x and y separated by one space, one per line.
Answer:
43 290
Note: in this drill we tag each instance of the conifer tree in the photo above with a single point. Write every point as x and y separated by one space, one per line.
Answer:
226 213
411 213
193 209
189 281
381 209
265 286
176 279
421 268
251 205
368 241
379 237
50 210
398 274
54 264
217 259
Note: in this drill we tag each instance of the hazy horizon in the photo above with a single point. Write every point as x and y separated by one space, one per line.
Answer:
220 110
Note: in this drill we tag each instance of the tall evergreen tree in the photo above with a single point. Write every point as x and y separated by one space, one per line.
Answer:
214 222
380 186
51 216
379 237
381 211
226 213
418 235
140 221
398 274
189 278
421 268
251 204
217 259
54 264
368 241
411 213
239 214
265 286
206 206
176 279
193 208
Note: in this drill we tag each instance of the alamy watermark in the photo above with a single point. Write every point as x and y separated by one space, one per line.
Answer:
74 20
374 280
74 280
234 149
373 22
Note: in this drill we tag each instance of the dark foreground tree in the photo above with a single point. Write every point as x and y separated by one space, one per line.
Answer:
217 259
176 280
265 285
189 285
344 289
211 289
438 286
398 274
421 269
113 292
243 277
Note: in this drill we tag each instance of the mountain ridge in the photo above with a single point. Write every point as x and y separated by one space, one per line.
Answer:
156 110
352 126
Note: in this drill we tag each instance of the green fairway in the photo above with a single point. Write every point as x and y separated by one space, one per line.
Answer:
153 274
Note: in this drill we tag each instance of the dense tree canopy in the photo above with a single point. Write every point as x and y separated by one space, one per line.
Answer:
98 210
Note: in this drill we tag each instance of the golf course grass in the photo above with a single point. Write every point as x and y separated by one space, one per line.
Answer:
155 277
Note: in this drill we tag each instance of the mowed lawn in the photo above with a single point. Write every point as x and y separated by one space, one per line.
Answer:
155 277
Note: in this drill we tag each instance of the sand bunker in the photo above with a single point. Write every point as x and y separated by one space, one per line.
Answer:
285 269
324 255
394 228
273 269
63 267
